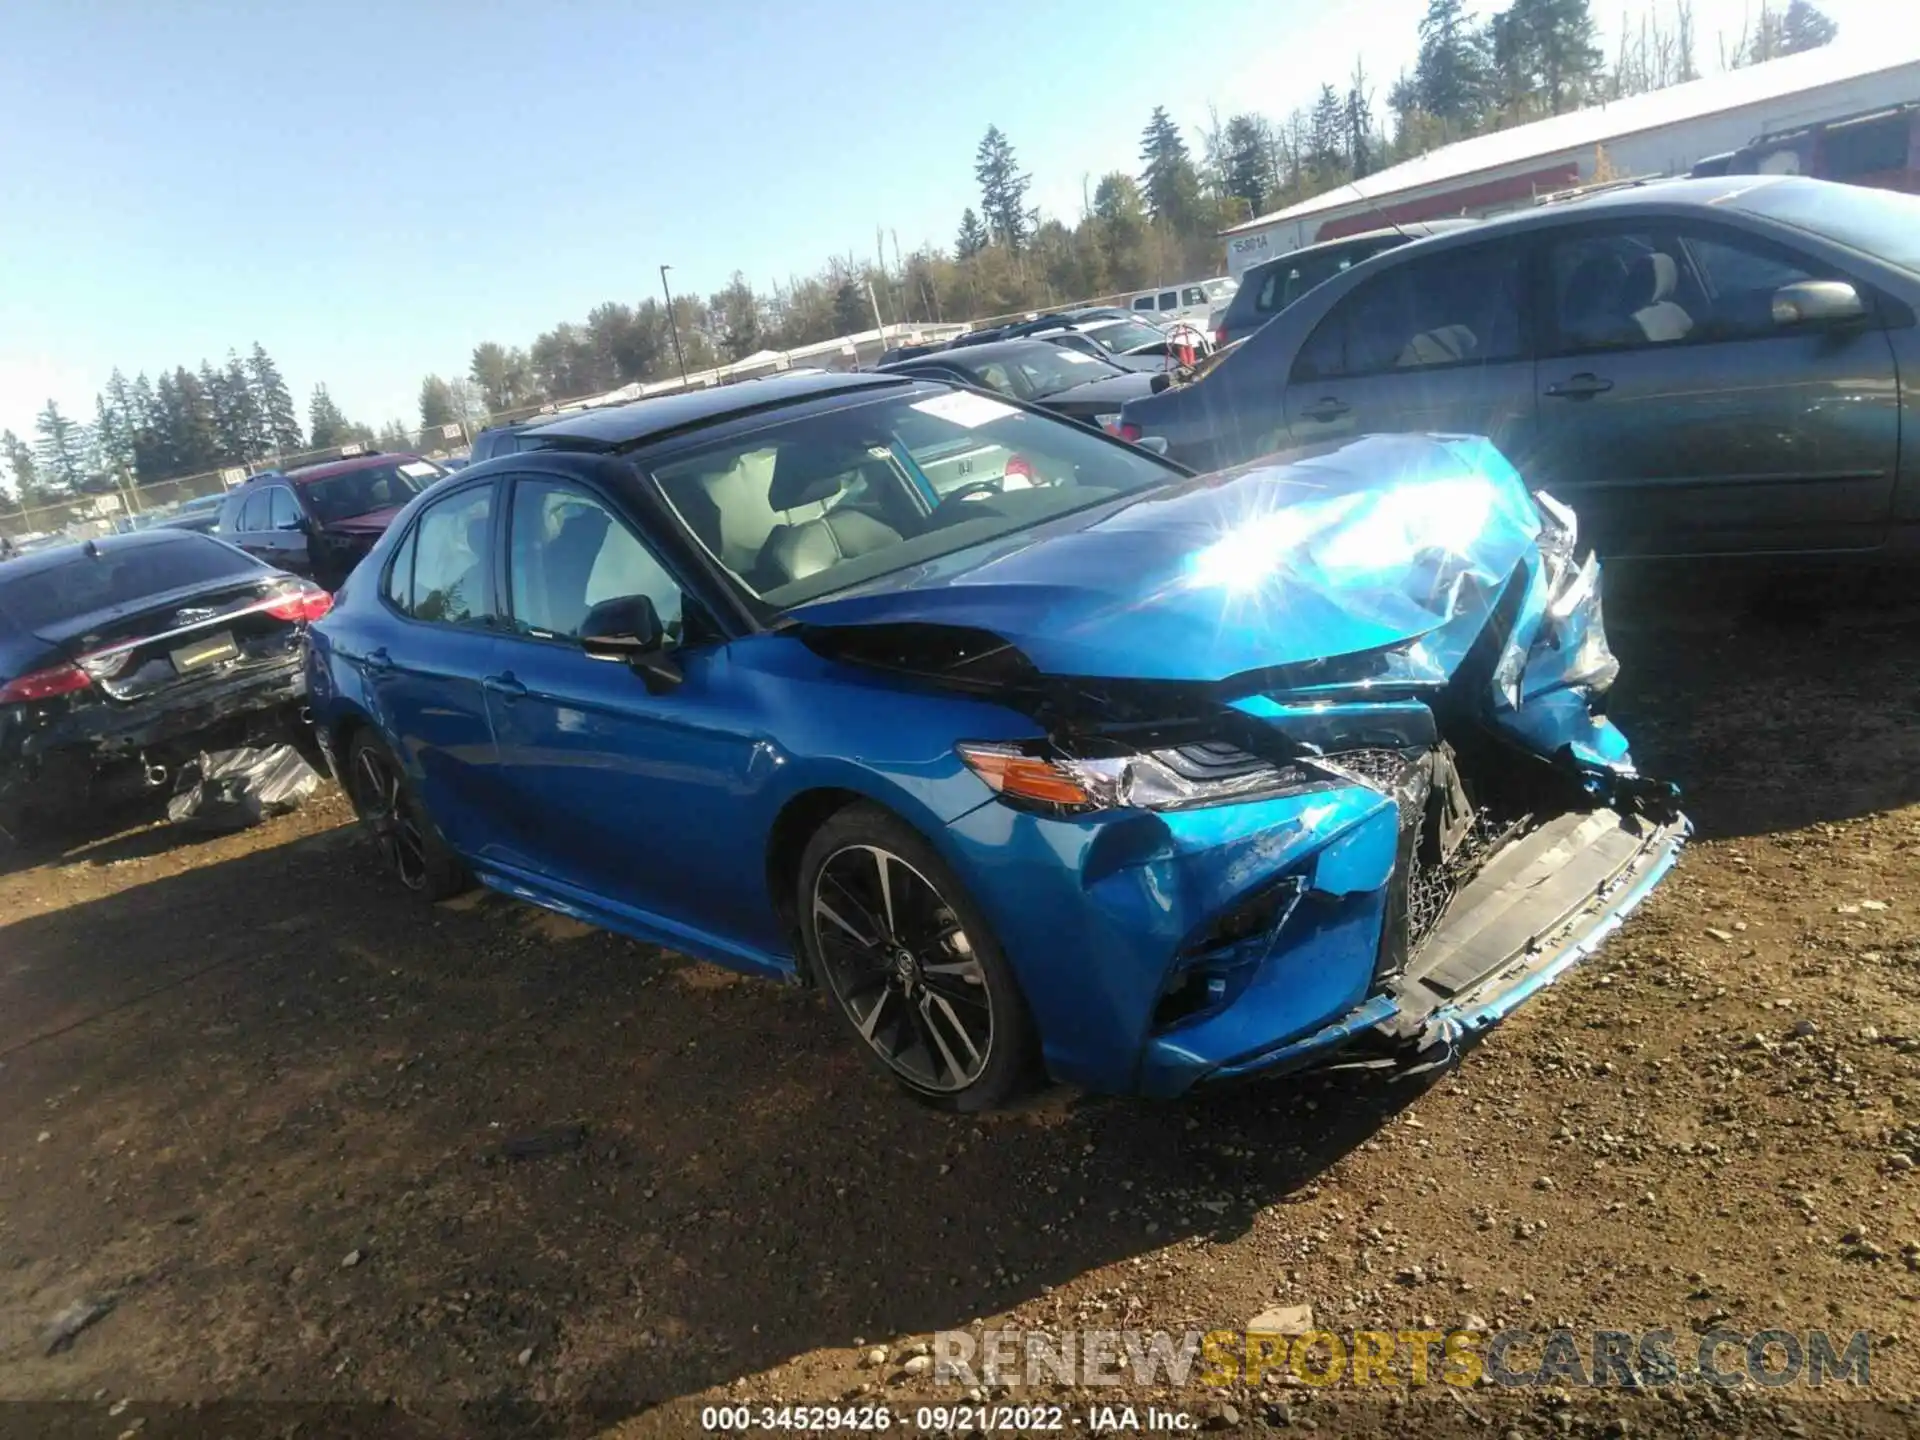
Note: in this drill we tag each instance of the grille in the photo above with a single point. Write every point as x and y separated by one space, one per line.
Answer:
1431 888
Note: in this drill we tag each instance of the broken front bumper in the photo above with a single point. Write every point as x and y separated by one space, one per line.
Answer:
1161 951
1540 907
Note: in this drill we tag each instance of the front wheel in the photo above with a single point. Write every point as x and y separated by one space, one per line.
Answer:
410 846
912 964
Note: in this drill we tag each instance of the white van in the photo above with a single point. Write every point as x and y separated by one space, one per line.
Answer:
1192 301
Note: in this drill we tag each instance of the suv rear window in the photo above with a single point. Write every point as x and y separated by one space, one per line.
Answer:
82 584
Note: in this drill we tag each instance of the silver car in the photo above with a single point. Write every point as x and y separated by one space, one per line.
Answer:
1697 366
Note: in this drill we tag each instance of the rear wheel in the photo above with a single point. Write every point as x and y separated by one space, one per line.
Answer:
410 846
912 964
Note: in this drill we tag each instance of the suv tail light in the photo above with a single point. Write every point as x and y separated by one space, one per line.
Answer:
44 685
1220 335
309 602
1127 430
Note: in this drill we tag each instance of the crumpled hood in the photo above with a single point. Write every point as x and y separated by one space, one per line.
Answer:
1372 544
369 525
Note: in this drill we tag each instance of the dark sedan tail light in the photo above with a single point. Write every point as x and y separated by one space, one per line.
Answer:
1127 430
309 602
44 685
1220 335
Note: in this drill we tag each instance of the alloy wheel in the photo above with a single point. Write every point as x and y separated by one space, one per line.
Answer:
903 968
389 815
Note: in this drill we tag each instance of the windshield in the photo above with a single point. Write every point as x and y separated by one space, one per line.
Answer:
81 584
1880 223
1124 335
1039 370
373 487
806 507
1218 290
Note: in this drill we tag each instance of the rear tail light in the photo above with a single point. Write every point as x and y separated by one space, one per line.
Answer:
44 685
1018 467
1219 335
1127 430
309 602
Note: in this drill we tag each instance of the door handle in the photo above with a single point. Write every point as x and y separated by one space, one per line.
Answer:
1327 407
505 686
1580 387
378 660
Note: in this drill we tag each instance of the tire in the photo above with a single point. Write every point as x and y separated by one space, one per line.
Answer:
915 968
409 842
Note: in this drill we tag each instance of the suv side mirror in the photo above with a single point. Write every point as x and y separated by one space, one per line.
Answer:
628 628
1817 302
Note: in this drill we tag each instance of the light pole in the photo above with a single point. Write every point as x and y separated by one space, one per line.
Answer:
673 327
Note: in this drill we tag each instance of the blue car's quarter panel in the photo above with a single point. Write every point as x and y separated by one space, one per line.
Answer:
1138 887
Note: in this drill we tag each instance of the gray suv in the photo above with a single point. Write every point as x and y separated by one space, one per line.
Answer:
1698 367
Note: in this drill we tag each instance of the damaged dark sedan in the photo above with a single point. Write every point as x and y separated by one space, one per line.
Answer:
123 658
1041 755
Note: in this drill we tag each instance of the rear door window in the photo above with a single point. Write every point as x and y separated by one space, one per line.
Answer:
451 581
282 513
1460 307
253 513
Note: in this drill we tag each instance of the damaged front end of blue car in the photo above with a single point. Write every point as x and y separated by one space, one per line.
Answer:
1320 774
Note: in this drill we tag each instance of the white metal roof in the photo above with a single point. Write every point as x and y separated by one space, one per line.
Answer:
1598 124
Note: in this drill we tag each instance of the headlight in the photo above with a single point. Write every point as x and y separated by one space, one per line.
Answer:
1180 778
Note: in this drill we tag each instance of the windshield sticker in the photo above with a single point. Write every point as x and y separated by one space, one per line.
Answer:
963 409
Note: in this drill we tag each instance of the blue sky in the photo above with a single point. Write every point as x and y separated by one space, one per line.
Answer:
372 189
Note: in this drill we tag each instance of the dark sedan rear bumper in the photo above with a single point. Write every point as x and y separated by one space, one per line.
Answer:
101 750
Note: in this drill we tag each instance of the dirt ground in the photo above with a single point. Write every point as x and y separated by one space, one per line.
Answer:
351 1164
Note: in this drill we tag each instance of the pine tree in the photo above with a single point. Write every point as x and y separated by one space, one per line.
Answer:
1449 74
1246 162
1557 53
113 427
436 403
278 418
330 427
191 424
1003 190
152 457
1806 27
61 449
737 320
851 313
244 434
19 457
1327 136
1168 180
972 238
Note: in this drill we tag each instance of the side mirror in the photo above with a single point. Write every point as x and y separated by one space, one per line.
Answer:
1817 302
628 629
1156 443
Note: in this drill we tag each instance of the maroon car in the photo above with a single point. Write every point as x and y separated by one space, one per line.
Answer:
319 520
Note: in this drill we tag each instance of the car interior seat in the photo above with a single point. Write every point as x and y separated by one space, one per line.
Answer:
808 475
1651 281
567 566
1442 345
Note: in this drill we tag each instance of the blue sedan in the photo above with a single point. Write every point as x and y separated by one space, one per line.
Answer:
1039 754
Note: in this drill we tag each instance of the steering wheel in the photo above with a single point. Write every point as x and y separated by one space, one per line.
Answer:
970 490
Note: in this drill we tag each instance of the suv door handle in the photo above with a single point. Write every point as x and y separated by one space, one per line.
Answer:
1580 387
505 686
378 660
1327 407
